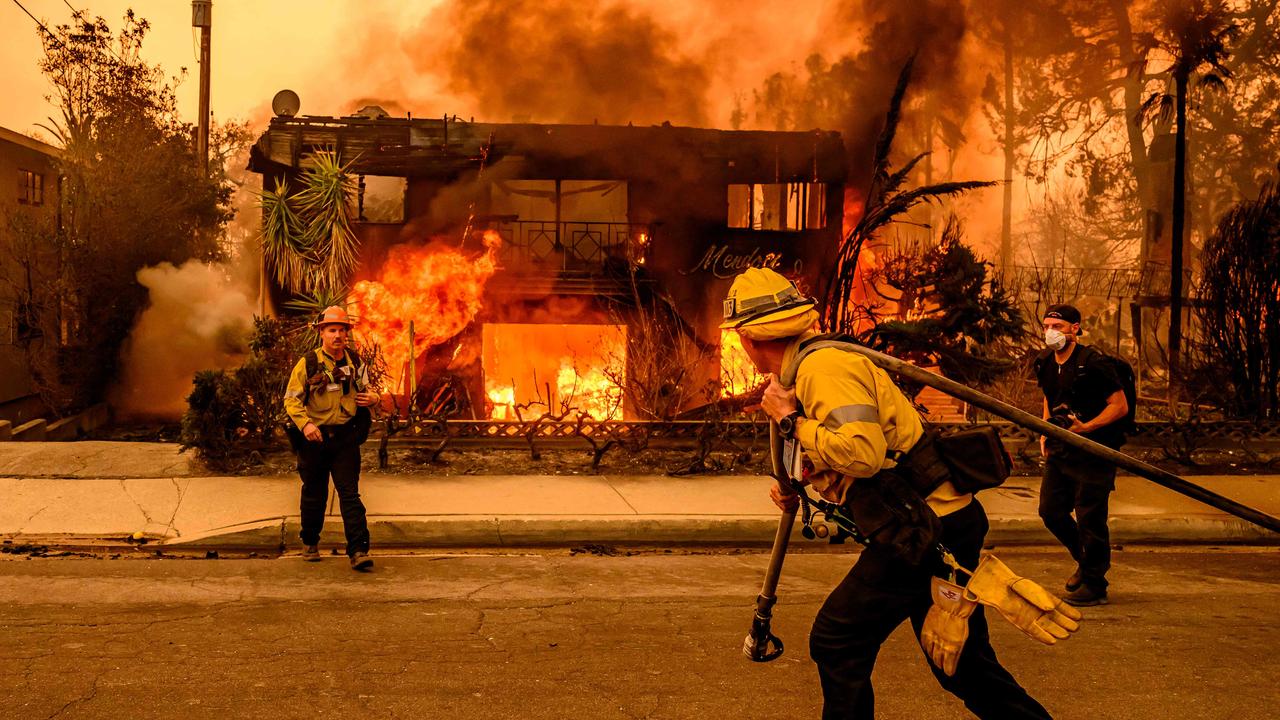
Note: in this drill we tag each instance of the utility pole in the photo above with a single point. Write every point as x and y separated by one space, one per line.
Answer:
202 17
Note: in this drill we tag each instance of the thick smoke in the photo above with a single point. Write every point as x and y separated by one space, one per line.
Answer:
197 319
562 61
850 92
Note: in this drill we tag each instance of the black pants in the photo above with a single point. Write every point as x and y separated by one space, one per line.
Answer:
1083 484
338 456
877 595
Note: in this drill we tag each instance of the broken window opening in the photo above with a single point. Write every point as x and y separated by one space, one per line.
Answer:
380 198
778 206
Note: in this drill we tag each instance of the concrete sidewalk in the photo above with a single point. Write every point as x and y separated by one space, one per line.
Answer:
65 494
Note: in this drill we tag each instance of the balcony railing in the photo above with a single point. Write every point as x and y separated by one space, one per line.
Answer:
573 246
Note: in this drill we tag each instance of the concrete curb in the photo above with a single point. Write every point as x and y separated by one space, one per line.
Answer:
533 531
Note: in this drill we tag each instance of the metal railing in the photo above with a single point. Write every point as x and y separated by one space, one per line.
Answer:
688 433
571 246
1152 279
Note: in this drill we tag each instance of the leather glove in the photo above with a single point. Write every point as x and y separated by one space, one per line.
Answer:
1024 603
946 626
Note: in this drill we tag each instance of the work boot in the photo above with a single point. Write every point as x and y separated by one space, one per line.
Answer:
361 561
1073 582
1085 596
311 553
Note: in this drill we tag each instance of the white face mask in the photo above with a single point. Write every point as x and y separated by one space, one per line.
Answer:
1054 339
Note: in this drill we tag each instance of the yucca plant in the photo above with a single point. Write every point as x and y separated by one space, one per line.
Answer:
325 202
309 305
284 250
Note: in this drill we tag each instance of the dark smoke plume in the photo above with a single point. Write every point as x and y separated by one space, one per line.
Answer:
562 61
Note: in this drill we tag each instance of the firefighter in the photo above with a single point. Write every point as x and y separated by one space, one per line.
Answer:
328 400
849 418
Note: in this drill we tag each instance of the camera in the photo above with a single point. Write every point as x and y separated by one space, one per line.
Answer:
1062 416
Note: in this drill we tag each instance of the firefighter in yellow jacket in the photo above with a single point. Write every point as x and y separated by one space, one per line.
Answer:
328 409
849 419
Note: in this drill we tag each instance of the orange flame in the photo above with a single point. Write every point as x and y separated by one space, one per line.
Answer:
738 374
439 290
581 366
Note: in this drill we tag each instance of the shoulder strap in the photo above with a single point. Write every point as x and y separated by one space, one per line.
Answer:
311 366
1087 351
313 362
839 341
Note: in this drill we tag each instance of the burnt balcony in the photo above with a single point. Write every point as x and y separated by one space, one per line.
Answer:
572 248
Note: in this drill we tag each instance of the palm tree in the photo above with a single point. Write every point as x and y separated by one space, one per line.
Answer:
885 202
1195 34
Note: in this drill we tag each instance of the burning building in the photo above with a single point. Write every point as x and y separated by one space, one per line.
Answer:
547 266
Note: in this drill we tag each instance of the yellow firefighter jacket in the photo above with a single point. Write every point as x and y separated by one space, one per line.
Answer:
323 407
853 413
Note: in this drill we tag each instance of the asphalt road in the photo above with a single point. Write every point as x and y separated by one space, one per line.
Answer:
1191 633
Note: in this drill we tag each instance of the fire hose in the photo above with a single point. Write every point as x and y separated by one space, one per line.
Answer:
761 645
1043 427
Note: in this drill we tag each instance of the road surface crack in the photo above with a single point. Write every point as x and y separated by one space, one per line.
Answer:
93 692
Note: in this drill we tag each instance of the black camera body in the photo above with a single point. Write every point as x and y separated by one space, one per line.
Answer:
1062 416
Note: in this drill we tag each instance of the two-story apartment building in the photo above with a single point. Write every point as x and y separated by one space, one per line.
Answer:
593 218
29 208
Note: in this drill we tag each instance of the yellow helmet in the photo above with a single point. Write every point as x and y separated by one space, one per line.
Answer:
761 295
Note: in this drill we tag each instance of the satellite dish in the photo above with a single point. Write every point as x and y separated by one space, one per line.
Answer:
285 103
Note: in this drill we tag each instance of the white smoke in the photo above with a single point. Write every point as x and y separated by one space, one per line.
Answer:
198 318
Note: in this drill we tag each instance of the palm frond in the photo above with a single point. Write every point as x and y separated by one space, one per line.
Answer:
1159 106
880 169
901 203
326 200
285 251
1212 81
896 180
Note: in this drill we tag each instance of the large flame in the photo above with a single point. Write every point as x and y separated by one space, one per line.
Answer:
554 369
439 290
738 374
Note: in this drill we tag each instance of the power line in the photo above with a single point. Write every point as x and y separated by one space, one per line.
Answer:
47 31
37 21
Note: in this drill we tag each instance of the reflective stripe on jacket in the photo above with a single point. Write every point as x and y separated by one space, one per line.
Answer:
853 414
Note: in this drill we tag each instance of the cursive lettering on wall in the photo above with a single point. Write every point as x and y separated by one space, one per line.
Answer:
723 263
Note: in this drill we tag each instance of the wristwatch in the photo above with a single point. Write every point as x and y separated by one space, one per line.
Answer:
787 425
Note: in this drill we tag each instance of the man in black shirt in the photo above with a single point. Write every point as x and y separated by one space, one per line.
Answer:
1083 394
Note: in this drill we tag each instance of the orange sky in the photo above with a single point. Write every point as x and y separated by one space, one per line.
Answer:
319 48
332 52
258 48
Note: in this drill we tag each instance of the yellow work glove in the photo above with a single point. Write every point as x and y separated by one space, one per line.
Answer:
1032 609
946 626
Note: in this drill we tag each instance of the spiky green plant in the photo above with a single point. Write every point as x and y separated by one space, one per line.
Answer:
885 202
311 304
284 250
325 201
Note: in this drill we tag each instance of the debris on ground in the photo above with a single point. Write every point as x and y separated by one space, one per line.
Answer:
594 549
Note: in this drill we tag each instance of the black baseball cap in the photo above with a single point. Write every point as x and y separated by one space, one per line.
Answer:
1063 312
